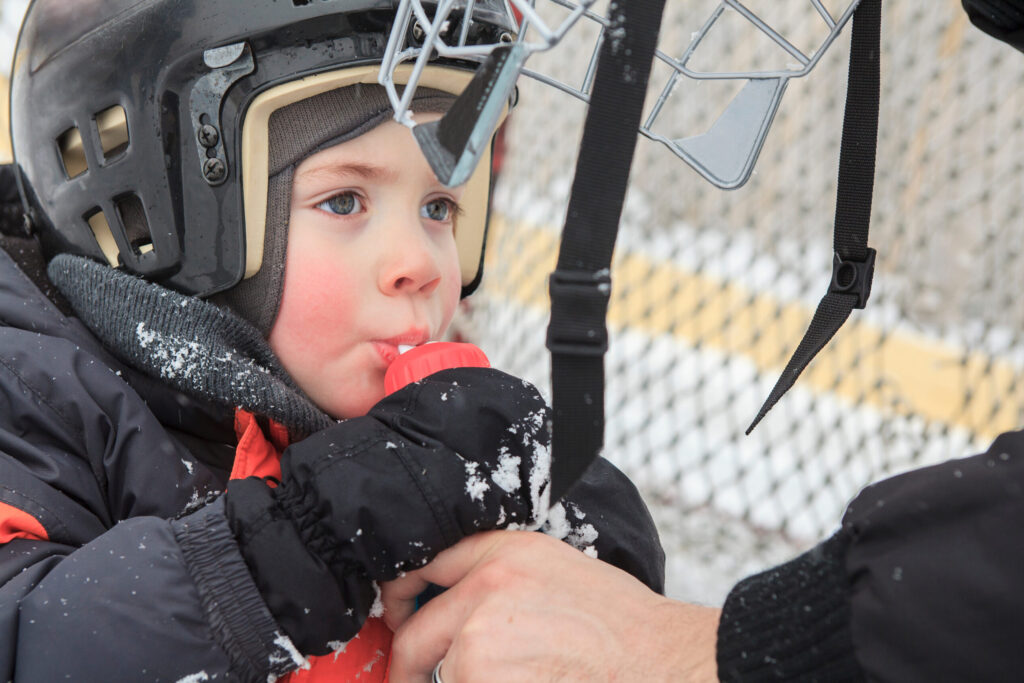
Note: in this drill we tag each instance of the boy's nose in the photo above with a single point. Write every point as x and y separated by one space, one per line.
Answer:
410 262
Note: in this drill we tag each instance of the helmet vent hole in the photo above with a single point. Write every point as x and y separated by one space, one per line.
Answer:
112 124
100 227
72 153
136 226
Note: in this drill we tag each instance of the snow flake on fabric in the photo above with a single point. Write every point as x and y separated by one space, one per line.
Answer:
176 357
379 655
287 653
507 474
338 647
194 346
580 535
535 438
476 486
377 608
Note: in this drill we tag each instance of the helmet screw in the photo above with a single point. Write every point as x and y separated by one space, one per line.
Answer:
506 37
214 170
418 32
208 136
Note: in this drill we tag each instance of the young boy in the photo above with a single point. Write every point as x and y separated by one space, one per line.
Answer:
235 240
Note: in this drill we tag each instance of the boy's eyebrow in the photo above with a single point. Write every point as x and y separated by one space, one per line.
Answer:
366 171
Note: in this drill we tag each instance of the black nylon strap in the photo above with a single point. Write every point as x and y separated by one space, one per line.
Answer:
580 286
853 262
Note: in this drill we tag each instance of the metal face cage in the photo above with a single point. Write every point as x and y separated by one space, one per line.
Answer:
724 154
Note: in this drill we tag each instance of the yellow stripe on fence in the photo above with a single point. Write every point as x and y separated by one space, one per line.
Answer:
893 371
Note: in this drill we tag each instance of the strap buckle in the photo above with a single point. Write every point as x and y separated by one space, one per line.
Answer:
579 302
853 277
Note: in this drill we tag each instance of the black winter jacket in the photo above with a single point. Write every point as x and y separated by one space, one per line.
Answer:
139 577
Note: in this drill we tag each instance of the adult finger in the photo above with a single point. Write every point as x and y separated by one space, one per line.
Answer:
399 598
426 637
451 565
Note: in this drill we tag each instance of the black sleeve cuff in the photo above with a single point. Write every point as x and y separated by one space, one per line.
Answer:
791 622
238 616
1001 19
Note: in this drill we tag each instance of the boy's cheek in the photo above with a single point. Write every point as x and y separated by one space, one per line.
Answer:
316 299
452 296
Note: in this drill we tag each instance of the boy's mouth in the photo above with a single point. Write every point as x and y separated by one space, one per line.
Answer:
392 348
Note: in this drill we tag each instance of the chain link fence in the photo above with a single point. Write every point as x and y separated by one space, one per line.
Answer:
712 290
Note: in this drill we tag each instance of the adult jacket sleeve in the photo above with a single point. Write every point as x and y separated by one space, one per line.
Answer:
921 583
1001 19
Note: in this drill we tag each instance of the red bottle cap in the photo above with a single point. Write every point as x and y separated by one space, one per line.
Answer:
426 359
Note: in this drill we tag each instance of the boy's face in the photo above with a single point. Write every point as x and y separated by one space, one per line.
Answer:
371 264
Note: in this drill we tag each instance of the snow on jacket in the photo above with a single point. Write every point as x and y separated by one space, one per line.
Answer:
116 557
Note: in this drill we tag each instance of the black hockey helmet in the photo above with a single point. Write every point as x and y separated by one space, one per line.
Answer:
139 126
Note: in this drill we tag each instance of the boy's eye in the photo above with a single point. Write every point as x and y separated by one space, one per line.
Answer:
343 204
441 209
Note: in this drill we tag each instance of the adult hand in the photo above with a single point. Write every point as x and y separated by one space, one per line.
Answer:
522 606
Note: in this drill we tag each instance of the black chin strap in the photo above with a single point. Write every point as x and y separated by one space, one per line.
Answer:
853 262
580 286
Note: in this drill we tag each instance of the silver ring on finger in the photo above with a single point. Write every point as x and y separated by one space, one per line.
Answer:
436 678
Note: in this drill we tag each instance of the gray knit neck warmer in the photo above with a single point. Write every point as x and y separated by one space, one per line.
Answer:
193 346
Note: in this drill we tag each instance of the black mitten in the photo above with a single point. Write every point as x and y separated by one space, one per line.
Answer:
462 451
